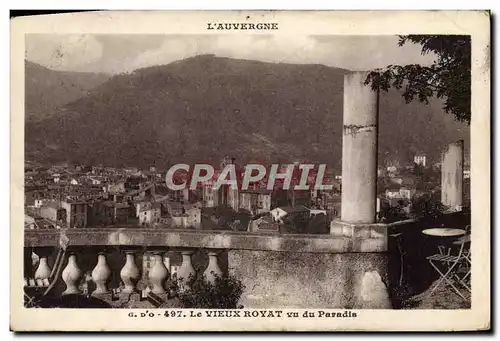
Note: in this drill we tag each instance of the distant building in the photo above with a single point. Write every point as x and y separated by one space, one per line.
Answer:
314 212
190 218
100 214
397 179
280 213
227 160
400 193
149 214
76 213
407 193
121 212
255 201
95 181
210 195
264 223
392 193
188 195
392 169
53 213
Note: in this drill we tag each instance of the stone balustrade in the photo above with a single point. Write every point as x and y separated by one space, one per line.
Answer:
284 270
72 277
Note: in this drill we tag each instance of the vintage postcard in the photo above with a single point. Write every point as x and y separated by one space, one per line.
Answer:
250 171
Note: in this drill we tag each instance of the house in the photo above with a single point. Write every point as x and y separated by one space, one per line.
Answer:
175 208
29 222
191 218
280 213
209 195
407 193
146 191
396 192
95 181
76 213
263 223
54 213
149 214
74 181
121 213
100 214
392 169
392 193
420 160
131 170
38 203
397 179
331 203
56 177
255 201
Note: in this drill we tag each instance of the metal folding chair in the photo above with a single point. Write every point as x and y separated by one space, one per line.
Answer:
454 270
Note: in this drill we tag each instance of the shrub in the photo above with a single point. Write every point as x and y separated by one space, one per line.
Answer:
426 207
224 293
390 214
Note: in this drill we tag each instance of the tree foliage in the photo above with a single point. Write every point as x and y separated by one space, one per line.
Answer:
448 78
426 207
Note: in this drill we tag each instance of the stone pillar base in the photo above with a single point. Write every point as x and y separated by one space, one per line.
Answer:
352 280
365 237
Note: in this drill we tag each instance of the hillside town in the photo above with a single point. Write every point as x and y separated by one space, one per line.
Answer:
85 196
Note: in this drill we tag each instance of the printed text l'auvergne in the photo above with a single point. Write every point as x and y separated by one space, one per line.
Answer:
235 26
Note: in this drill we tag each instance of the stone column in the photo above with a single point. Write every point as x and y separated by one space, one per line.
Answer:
359 150
452 162
366 265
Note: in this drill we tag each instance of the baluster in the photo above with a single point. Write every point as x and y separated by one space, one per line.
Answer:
43 271
186 271
101 274
130 273
213 268
71 275
158 274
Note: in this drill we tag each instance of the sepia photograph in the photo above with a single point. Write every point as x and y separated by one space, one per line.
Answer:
239 173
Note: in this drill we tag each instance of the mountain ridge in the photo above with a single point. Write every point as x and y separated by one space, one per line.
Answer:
204 107
47 90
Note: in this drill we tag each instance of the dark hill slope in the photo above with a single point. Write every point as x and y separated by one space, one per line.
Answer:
204 107
46 90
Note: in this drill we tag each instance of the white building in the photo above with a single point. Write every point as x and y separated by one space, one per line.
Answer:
279 213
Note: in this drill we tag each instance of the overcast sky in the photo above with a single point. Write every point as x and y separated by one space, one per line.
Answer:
125 53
